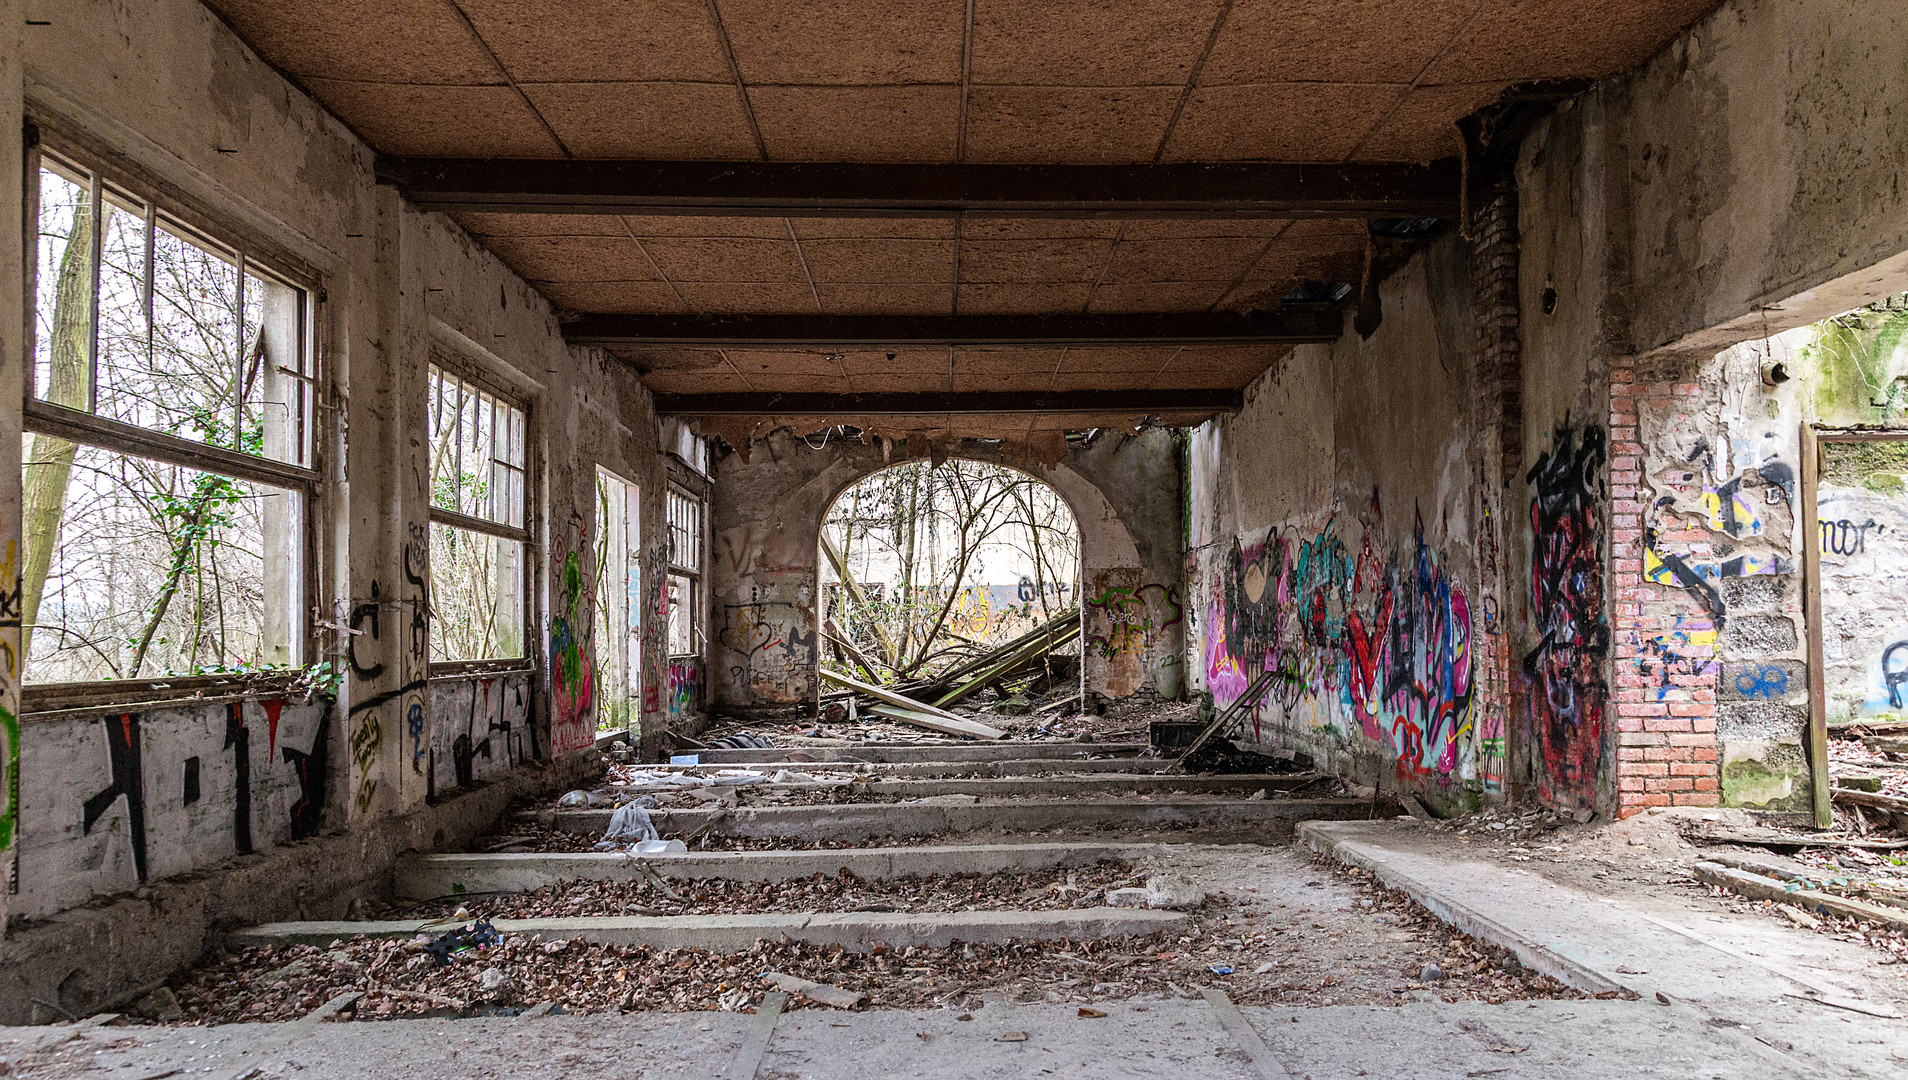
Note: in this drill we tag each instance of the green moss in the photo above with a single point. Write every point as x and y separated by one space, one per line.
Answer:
1877 466
1852 363
1748 781
1884 483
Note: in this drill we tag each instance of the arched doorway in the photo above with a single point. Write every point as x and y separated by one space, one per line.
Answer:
929 573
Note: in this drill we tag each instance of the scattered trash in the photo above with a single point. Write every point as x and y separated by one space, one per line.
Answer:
1219 969
630 823
659 847
1013 1036
475 937
685 759
1090 1014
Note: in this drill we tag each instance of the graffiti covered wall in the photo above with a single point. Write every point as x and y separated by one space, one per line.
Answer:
113 801
479 729
1345 568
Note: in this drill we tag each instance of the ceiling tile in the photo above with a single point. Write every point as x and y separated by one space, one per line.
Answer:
647 359
438 121
1033 261
394 41
899 382
1206 259
1006 360
612 297
488 224
1158 296
1520 40
761 298
772 383
1085 43
601 40
1086 125
874 228
880 261
1278 121
1029 228
860 362
1023 298
1424 125
1266 41
1145 359
1323 258
763 228
1307 228
727 259
696 382
1103 380
653 121
805 363
858 123
574 258
1173 229
838 299
845 42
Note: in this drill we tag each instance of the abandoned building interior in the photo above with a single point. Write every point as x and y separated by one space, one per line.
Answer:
787 538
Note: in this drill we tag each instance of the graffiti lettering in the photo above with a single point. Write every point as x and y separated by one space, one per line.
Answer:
359 615
1893 677
128 780
308 813
1567 608
238 739
1845 537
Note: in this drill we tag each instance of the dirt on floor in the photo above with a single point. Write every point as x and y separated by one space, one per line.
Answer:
1279 927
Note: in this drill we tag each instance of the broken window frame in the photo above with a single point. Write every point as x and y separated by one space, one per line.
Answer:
471 374
303 477
679 501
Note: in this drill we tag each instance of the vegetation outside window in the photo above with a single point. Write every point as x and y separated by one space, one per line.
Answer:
166 468
478 441
684 519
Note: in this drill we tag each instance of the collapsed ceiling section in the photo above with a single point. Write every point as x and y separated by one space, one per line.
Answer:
931 83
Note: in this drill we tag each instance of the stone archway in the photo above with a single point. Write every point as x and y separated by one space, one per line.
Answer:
765 526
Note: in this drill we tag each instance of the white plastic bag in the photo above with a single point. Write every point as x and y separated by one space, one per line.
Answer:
630 823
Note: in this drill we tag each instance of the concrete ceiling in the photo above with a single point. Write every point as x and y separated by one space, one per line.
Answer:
1025 81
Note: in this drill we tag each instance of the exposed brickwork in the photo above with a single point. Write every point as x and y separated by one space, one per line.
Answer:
1499 404
1666 719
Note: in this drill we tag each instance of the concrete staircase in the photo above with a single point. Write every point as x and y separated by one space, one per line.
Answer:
946 807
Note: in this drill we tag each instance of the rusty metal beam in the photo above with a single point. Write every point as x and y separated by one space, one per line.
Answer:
984 402
1294 324
793 189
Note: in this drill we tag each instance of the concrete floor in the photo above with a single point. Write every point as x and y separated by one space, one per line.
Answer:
1169 1039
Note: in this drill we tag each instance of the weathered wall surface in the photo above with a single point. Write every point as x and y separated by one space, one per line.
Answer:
164 95
1334 544
1743 182
765 528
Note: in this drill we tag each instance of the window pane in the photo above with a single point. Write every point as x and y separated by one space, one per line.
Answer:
276 401
476 451
186 388
476 595
63 308
682 615
148 569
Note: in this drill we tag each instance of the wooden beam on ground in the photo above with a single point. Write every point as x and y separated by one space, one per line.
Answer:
836 189
919 713
1293 324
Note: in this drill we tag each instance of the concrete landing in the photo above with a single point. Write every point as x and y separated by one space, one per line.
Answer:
1589 941
426 876
1043 786
856 931
921 751
860 821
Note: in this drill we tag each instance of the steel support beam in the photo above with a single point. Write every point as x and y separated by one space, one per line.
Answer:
1295 324
791 189
985 402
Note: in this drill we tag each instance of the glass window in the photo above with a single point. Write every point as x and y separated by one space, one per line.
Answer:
167 330
147 554
684 519
477 515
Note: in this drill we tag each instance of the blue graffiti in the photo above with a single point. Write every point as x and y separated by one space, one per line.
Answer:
1766 681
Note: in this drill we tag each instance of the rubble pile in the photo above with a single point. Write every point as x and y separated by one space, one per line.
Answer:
1037 891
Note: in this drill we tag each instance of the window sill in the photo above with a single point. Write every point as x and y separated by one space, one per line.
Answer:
58 701
463 669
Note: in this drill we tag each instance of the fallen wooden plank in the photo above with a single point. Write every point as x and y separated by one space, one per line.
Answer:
1887 744
1223 722
1874 891
1870 727
1757 887
1780 840
1868 798
936 723
883 694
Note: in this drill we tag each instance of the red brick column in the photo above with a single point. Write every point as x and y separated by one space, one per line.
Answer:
1663 654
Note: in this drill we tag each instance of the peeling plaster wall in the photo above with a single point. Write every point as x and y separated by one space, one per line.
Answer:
765 529
165 95
1333 543
1743 182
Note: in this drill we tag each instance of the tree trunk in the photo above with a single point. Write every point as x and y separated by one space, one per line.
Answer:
43 495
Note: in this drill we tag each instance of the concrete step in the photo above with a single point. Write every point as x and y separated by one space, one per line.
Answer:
856 931
850 822
1016 767
1037 786
427 876
922 751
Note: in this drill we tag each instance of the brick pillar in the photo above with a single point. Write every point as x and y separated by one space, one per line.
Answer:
1666 715
1500 447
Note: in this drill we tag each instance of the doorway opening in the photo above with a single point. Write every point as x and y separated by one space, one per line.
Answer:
957 583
